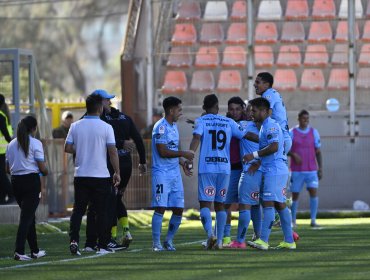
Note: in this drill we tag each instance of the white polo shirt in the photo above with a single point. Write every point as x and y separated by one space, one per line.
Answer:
18 163
90 137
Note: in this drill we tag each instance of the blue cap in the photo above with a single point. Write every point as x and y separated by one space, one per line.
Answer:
103 94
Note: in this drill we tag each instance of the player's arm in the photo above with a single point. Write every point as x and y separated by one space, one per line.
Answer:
68 145
252 137
194 144
167 153
319 162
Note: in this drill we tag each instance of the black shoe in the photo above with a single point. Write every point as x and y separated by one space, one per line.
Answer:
114 246
73 247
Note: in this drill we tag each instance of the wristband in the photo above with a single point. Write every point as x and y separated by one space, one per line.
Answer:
255 154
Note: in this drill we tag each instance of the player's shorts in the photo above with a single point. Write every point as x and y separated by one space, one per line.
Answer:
249 188
298 179
232 191
167 191
213 186
274 187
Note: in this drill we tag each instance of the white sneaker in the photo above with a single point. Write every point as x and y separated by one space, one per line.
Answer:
88 249
19 257
101 251
40 254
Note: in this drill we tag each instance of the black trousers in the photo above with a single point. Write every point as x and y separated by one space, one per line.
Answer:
27 190
5 186
91 191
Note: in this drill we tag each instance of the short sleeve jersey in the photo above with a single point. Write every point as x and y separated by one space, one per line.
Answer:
166 134
19 164
274 164
316 134
247 146
279 113
216 132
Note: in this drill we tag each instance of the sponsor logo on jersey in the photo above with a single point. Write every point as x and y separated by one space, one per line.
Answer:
255 195
161 129
216 159
210 191
158 197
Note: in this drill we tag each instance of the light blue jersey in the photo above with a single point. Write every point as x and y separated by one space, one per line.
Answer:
247 146
274 164
167 134
278 108
216 132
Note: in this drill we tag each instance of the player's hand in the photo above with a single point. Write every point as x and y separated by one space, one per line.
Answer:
254 167
247 158
129 145
189 121
187 166
189 155
297 159
116 179
142 169
319 174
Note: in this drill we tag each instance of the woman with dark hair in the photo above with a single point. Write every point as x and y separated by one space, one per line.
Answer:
25 162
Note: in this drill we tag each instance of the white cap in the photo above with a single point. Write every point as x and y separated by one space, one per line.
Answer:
66 114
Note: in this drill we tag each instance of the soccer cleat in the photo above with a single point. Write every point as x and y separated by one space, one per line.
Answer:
295 236
89 249
218 247
286 245
204 244
102 251
73 248
157 248
259 244
19 257
40 254
237 245
211 242
127 239
226 241
314 225
114 246
168 246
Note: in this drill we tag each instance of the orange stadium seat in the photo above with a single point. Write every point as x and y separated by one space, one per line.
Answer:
269 9
363 81
179 57
293 32
343 9
364 59
320 31
239 10
289 56
312 79
212 33
234 57
285 80
338 79
184 34
237 33
229 81
323 9
266 33
340 55
188 10
202 81
316 55
367 13
342 32
207 57
296 9
366 34
216 10
264 56
174 82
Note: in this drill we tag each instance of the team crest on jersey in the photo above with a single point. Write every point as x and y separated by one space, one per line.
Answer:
210 191
268 96
272 129
158 197
255 195
269 136
223 192
162 129
284 191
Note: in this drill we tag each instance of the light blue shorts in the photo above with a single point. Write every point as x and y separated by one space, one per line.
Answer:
167 191
249 188
298 179
232 191
213 186
274 187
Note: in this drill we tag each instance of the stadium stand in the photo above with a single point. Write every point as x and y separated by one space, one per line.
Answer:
234 57
363 81
189 10
229 81
342 32
239 10
269 9
174 82
216 11
340 55
266 33
366 33
289 56
237 33
296 10
212 33
343 9
316 55
184 34
323 9
286 80
320 31
179 57
292 32
264 56
364 59
312 79
338 79
207 57
202 81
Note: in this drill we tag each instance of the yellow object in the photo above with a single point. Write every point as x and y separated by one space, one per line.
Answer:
114 232
3 142
56 109
123 222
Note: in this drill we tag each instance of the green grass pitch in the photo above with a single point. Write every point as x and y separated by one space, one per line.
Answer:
340 250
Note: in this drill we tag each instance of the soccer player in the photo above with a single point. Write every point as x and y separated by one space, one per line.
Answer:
305 164
167 187
214 133
263 85
275 173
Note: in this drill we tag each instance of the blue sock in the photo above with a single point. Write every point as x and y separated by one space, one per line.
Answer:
221 221
294 210
286 224
227 230
314 204
243 223
173 226
206 218
157 227
256 216
268 220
